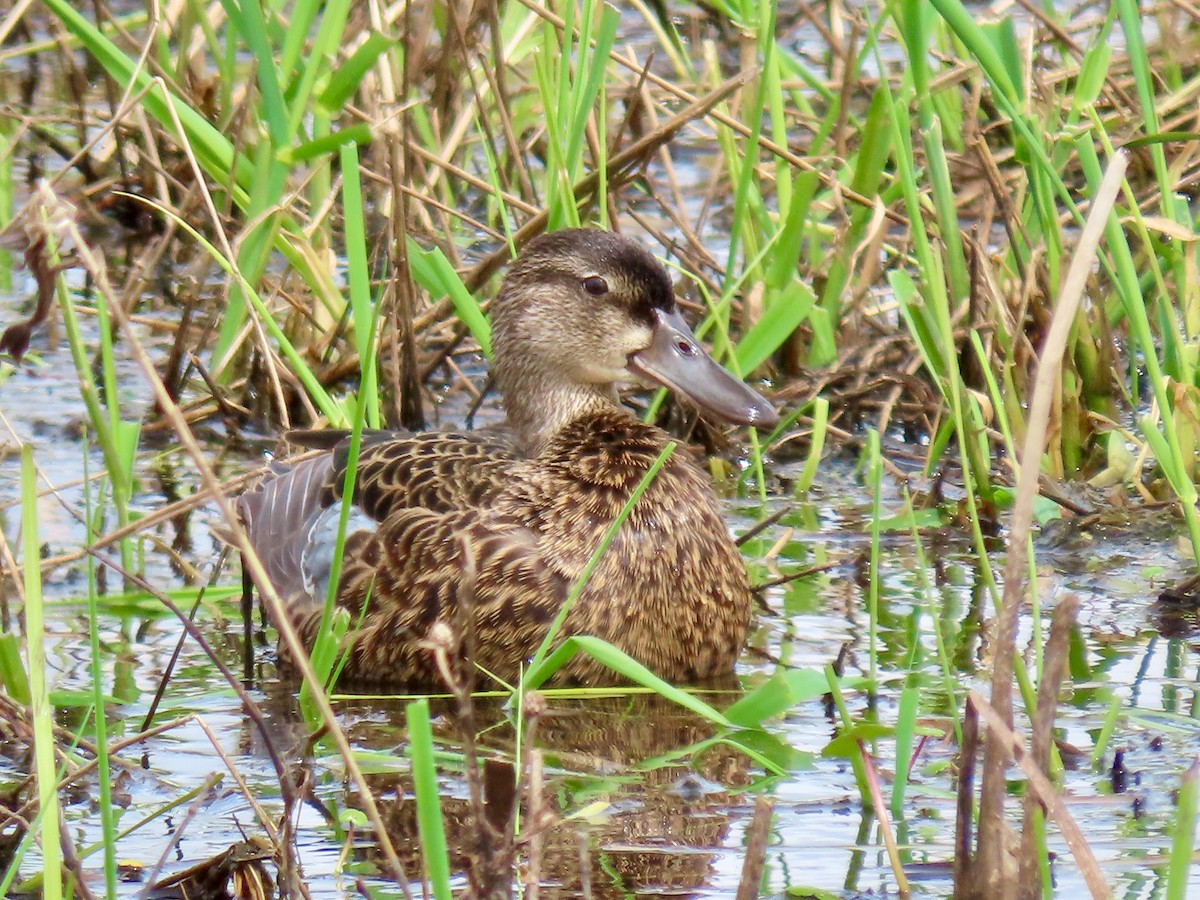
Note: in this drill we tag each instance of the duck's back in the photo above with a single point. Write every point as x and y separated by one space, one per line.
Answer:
293 516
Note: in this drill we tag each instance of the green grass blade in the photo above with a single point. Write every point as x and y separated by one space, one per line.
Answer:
792 306
12 670
346 79
434 272
429 807
624 665
359 276
784 690
41 711
820 427
327 143
248 16
97 699
597 555
1183 840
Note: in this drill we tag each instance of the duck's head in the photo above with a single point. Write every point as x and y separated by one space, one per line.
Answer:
587 309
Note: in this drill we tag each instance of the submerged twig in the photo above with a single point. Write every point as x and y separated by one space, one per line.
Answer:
1055 656
163 681
756 849
762 525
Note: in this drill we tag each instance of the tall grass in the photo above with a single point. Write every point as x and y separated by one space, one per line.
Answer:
903 204
108 829
41 710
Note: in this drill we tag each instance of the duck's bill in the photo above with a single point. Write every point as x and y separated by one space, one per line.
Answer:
676 360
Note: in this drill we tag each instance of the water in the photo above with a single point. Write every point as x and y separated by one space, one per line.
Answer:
657 832
673 830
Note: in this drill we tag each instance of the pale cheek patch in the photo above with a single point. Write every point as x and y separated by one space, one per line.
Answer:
637 337
607 363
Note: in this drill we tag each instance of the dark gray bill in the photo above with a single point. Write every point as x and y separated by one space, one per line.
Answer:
676 360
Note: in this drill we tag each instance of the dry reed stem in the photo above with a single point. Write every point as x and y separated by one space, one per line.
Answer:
149 520
1044 791
756 848
537 812
988 876
178 829
885 825
1042 740
260 813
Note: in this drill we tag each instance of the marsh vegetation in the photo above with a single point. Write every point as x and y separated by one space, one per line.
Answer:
956 245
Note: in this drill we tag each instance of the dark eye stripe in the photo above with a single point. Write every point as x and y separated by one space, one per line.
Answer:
595 285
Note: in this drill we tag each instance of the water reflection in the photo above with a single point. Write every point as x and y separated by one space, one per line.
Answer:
617 825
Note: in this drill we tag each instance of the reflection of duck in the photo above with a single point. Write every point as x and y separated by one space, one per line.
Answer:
669 829
654 832
579 311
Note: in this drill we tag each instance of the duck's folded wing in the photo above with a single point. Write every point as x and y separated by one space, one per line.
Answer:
440 471
293 516
279 514
421 567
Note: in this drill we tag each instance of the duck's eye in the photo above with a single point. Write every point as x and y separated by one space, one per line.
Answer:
595 285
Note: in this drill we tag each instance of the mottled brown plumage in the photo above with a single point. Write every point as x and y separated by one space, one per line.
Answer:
579 311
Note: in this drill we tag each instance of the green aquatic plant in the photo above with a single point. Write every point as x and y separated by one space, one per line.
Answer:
41 710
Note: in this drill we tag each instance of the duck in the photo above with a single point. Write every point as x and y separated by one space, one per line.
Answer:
500 522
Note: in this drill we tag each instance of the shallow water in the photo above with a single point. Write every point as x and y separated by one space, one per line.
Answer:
661 832
671 831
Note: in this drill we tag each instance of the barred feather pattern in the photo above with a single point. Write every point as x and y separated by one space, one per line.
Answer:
671 590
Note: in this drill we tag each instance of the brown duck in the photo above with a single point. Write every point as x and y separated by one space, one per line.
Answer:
579 311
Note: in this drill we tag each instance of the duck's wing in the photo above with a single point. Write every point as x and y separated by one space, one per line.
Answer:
416 570
279 515
439 471
293 516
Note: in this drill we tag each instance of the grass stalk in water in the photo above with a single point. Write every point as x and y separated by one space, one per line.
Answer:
333 628
875 484
118 437
434 852
1184 834
816 445
585 576
108 828
42 712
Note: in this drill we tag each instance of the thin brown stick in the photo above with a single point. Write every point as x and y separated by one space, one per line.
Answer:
261 813
1041 787
756 849
993 850
1042 741
177 832
885 825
